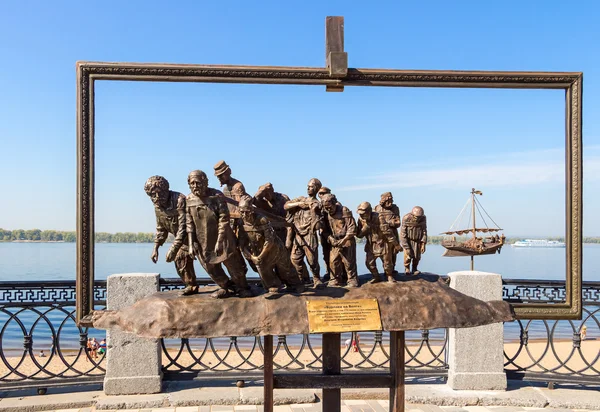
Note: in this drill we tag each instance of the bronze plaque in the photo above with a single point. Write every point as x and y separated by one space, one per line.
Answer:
343 315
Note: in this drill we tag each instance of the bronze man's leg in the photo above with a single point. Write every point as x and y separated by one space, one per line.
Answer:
336 265
217 274
268 276
407 260
237 270
312 257
348 256
298 261
184 264
286 271
371 263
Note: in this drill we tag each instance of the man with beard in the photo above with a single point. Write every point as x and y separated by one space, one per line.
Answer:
267 199
413 236
260 244
377 232
169 208
305 214
342 241
211 238
390 214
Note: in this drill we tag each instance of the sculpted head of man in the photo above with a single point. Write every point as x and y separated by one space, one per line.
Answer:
223 172
313 186
364 210
329 202
246 209
157 187
417 211
198 182
387 200
267 191
323 191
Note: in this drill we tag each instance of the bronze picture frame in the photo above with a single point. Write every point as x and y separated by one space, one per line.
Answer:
334 79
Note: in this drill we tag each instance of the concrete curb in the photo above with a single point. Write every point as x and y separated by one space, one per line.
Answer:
181 395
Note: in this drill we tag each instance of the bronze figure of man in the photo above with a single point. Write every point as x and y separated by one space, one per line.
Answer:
169 208
260 244
233 189
324 235
390 213
342 241
413 236
267 199
305 214
377 233
211 238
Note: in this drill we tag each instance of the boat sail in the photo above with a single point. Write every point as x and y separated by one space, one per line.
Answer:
473 246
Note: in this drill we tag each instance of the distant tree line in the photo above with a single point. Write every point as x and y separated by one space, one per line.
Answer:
38 235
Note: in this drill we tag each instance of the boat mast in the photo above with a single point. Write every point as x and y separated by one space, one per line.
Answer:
474 231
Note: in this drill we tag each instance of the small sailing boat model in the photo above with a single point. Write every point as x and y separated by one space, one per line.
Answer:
473 245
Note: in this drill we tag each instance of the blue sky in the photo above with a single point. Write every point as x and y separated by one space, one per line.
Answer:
428 146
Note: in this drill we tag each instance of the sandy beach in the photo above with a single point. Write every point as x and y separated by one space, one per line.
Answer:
546 357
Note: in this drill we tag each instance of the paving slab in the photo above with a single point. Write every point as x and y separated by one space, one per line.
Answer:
34 403
562 398
107 402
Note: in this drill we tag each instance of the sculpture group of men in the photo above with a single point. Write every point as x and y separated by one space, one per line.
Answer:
277 236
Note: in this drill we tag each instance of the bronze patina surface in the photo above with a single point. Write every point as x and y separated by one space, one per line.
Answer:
413 303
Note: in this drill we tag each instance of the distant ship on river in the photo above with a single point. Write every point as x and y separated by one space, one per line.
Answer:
538 243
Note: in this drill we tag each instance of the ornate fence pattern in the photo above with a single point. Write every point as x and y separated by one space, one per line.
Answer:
425 355
38 317
553 351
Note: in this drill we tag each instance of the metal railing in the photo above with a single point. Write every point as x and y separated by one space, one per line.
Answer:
548 350
40 316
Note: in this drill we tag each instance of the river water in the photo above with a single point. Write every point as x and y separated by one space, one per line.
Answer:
56 261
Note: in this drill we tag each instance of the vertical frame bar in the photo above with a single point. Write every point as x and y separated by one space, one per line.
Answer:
397 369
85 194
332 359
268 373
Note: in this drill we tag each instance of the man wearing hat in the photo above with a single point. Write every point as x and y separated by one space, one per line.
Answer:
390 214
233 189
342 241
305 212
377 233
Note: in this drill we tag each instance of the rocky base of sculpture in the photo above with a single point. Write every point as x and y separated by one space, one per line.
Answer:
412 303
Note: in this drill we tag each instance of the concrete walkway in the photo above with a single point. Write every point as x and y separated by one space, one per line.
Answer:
225 396
347 406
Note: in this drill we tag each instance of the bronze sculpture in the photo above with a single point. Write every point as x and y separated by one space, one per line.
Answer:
260 244
324 235
379 241
235 190
267 199
390 213
413 236
169 208
305 215
211 238
342 241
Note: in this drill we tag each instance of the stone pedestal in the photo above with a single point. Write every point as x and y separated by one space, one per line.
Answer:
133 364
476 355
